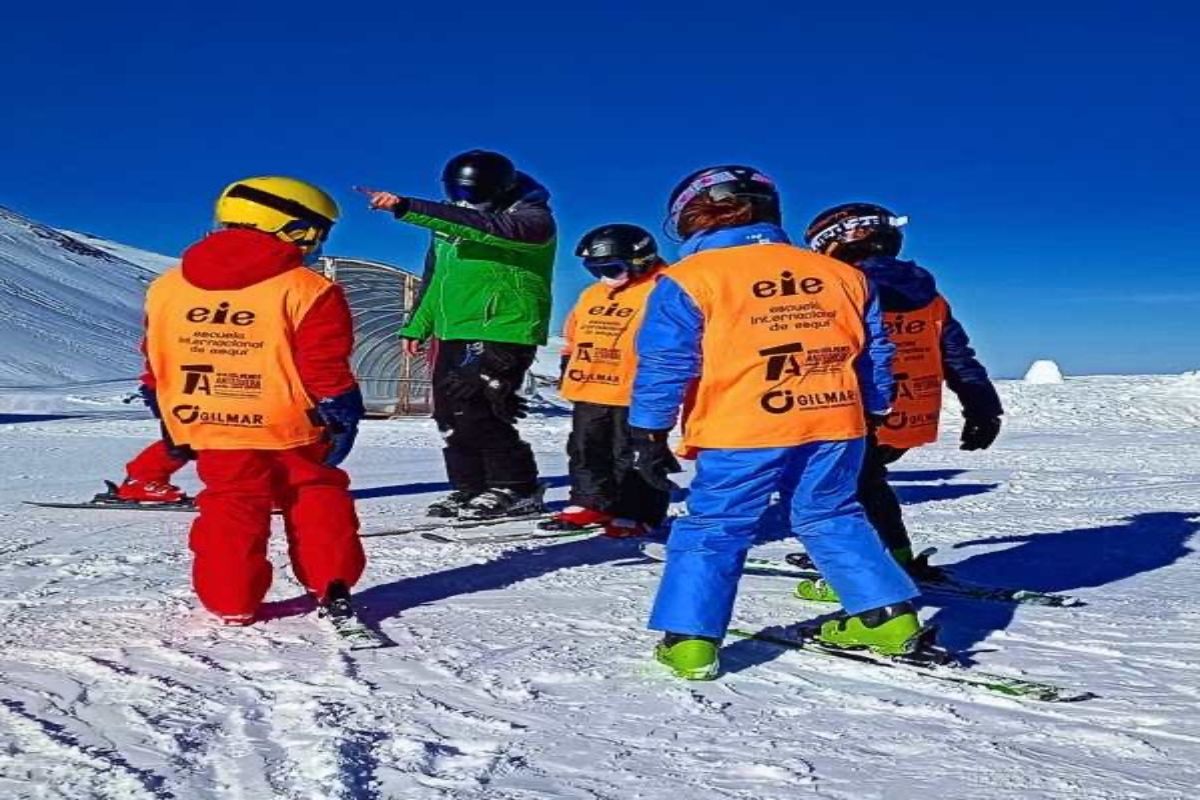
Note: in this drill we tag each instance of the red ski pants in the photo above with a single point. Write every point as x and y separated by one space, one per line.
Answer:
231 572
154 464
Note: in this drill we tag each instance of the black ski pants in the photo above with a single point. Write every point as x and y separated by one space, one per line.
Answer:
482 451
878 497
600 460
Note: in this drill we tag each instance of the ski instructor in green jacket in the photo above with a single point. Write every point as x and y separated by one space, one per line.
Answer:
485 298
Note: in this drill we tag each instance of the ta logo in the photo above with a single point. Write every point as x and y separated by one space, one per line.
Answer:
196 378
782 361
583 352
187 414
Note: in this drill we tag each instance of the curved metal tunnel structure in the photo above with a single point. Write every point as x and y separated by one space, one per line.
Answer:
381 297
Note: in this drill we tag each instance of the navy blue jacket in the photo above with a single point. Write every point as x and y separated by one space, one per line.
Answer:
905 286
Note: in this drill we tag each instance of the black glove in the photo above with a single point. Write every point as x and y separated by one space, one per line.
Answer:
461 385
501 370
150 398
496 359
507 405
978 433
341 415
652 458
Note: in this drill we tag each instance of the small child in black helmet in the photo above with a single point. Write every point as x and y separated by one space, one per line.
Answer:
599 363
932 348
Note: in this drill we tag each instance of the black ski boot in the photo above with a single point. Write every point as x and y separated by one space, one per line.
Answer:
500 503
451 505
336 604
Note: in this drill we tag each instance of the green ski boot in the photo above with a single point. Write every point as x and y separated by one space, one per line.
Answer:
693 658
891 630
818 590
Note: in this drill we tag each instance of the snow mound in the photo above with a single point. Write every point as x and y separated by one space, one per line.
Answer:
70 312
1044 372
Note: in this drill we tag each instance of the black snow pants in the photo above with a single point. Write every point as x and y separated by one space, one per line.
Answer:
600 460
482 451
878 497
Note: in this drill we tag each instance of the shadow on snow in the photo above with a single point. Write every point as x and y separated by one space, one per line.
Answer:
1065 561
1062 562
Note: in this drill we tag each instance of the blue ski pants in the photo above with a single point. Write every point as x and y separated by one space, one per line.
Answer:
731 490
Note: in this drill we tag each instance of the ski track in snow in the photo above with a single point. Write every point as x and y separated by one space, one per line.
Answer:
523 671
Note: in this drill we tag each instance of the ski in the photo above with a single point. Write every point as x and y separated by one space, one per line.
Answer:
342 618
930 667
356 634
505 538
935 580
457 524
118 505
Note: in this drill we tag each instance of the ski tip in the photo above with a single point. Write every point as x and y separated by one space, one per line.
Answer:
437 537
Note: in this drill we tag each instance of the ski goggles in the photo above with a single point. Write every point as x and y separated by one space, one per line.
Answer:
710 184
304 233
609 267
471 194
851 229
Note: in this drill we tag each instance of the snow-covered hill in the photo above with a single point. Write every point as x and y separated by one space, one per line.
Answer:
70 310
155 262
523 671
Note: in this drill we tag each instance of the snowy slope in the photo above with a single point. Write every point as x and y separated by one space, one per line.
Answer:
156 262
523 671
69 311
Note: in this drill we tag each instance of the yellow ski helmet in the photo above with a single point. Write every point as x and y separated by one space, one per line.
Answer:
293 210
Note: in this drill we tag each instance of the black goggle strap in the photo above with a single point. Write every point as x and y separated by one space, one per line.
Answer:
306 218
839 231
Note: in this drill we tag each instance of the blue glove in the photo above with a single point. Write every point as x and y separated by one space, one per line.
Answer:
341 415
150 398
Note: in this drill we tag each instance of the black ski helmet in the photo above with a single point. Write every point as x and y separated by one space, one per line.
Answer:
478 177
722 182
618 249
853 232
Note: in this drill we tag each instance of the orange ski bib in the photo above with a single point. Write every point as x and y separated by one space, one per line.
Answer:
222 361
919 374
782 329
600 335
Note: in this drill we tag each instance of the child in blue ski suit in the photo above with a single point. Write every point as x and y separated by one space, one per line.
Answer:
786 356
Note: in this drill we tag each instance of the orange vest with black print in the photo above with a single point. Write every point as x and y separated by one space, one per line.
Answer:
600 334
783 327
918 370
222 361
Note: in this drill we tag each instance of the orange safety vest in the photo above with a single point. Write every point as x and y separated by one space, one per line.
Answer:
918 370
223 364
783 327
600 334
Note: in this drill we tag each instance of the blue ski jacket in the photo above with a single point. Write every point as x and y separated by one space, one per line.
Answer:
906 286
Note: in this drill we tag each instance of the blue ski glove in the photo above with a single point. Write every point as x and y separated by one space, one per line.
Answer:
341 415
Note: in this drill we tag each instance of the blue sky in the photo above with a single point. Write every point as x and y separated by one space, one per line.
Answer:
1047 158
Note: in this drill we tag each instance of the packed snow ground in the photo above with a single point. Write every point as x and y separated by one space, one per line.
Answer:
523 671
